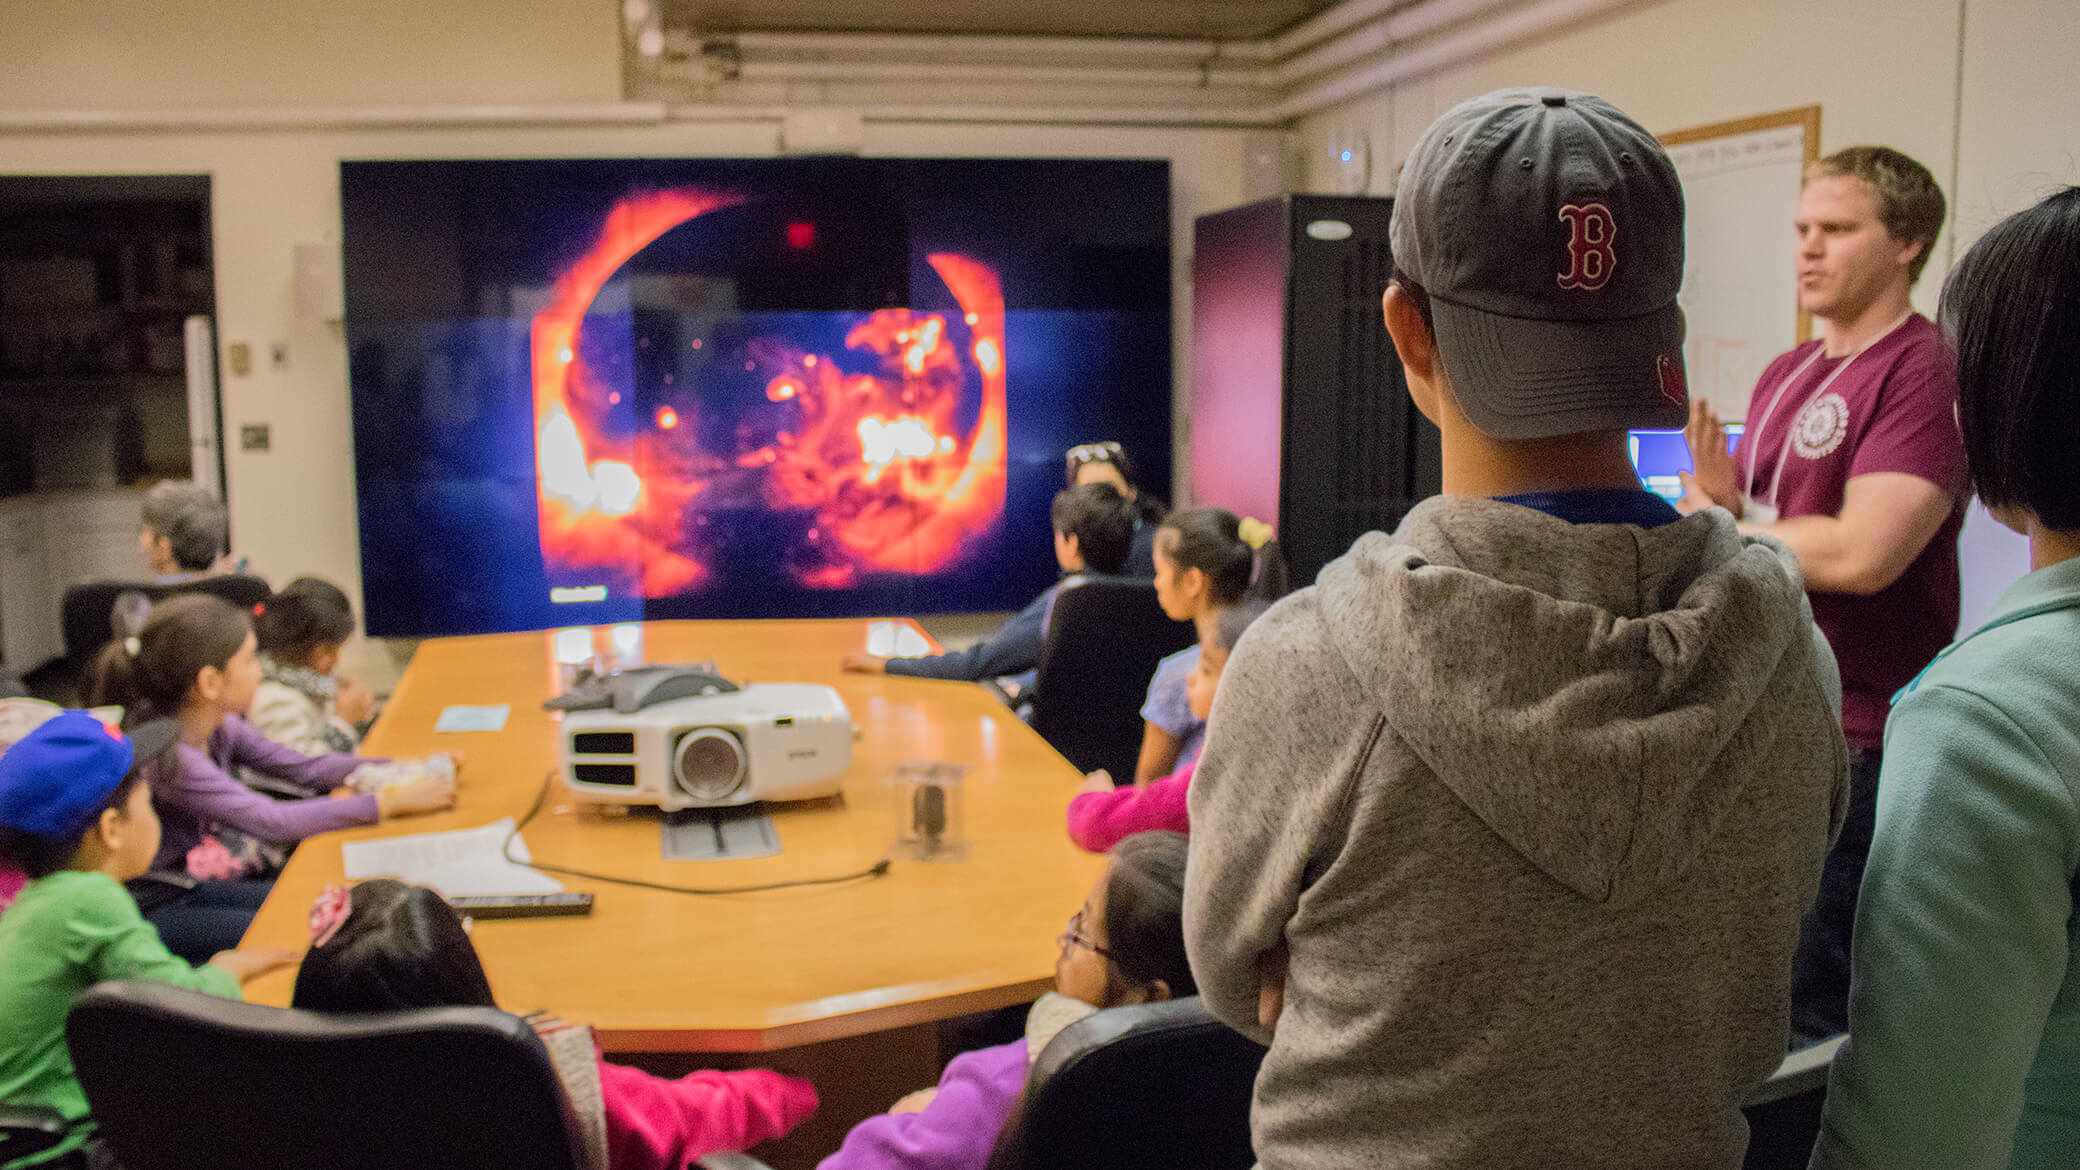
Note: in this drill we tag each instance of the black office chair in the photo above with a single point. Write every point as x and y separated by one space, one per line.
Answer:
1104 639
29 1129
1086 1107
1784 1114
177 1079
86 615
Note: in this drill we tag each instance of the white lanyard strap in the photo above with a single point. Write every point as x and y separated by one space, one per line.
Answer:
1776 478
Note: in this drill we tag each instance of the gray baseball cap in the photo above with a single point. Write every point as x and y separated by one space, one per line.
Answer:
1547 229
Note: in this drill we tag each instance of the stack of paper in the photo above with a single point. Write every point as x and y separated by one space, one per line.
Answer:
461 864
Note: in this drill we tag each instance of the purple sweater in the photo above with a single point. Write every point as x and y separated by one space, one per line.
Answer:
956 1131
196 790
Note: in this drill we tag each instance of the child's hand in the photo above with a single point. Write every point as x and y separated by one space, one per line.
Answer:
914 1102
1098 781
865 664
429 794
355 703
1271 986
248 962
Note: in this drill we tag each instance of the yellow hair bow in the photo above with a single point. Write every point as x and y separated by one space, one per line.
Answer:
1253 532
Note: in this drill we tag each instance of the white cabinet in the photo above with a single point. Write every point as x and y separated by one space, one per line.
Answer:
52 540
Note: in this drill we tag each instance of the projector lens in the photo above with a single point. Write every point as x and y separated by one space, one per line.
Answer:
709 763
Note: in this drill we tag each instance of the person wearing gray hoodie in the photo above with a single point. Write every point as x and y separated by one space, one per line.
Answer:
1505 827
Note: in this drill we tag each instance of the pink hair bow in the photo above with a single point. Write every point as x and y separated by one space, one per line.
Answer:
329 913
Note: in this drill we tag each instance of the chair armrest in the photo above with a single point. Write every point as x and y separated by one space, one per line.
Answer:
731 1160
30 1129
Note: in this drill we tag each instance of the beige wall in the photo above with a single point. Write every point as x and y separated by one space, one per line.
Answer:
190 54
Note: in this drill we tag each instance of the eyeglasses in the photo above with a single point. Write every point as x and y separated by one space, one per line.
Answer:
1074 937
1082 453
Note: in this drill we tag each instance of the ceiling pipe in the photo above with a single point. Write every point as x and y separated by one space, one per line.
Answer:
1179 76
1444 51
916 47
1239 117
1312 31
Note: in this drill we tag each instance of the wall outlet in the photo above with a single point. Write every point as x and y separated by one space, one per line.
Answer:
239 356
254 437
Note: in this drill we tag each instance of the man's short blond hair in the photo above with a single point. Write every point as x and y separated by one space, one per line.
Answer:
1910 205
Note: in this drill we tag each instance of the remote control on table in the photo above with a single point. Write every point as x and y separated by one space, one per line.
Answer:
524 906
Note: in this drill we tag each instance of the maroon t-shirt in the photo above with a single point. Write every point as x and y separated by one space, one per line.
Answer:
1815 423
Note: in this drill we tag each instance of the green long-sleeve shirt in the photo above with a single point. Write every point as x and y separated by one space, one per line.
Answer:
62 935
1964 1020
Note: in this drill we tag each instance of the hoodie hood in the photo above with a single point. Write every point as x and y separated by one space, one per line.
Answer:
1587 691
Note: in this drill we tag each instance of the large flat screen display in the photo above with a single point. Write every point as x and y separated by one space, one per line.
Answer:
594 390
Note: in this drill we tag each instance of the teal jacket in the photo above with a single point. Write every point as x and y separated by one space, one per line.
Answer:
1964 1018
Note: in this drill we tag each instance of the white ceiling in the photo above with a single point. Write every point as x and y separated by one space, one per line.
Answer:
1186 19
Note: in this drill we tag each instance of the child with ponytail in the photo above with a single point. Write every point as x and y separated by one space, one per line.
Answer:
195 660
1207 560
301 703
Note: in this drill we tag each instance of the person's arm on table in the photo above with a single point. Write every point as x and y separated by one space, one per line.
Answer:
1014 647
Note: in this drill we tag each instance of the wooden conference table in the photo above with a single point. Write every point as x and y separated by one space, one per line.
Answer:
656 972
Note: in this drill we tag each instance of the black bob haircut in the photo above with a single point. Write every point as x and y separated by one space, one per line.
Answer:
401 947
308 613
2012 309
1101 520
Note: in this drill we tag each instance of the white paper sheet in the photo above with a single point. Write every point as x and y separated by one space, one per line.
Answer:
462 863
473 718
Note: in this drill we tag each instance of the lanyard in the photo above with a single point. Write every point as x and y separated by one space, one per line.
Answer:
1776 479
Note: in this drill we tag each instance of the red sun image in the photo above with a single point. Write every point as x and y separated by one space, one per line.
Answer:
869 455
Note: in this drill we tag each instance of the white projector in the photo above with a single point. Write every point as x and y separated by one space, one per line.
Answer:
763 741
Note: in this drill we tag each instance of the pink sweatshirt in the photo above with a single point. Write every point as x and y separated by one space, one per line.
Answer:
658 1124
1100 820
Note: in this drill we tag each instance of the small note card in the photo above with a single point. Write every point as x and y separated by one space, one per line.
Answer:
474 718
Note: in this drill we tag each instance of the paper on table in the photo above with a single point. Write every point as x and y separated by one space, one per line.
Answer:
473 718
460 864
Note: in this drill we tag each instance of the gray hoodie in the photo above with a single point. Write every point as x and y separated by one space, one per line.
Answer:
1537 808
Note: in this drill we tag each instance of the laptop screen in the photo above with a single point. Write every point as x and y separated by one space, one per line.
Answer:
1659 455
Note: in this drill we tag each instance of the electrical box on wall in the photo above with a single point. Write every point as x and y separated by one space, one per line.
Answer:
320 294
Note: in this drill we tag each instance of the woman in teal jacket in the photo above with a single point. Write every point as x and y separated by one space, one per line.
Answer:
1964 1018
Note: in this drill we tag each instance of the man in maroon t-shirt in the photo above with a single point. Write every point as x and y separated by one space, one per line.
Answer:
1852 458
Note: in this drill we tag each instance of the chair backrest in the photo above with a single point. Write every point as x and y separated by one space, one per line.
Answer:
1104 639
177 1079
1784 1114
1160 1086
86 615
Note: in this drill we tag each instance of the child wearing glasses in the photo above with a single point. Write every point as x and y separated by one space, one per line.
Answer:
1125 945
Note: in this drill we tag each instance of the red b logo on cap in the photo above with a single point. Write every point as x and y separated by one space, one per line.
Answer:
1592 248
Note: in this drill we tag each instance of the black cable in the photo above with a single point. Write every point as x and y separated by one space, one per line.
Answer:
878 869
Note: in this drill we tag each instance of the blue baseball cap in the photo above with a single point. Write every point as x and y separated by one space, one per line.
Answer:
56 778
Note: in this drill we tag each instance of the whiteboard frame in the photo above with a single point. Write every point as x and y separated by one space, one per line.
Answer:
1807 118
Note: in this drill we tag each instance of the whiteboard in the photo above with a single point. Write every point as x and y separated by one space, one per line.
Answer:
1740 287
